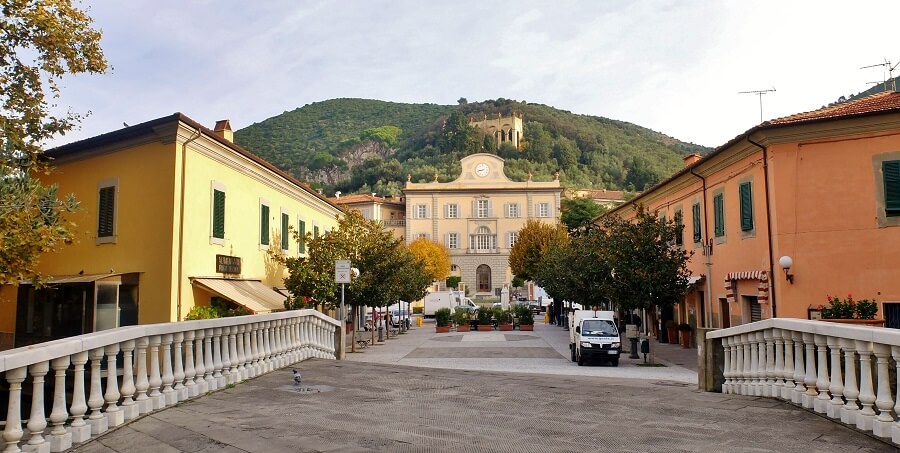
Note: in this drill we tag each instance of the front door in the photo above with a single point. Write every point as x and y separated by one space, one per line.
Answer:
483 278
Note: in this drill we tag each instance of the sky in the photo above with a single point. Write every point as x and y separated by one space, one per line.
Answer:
676 67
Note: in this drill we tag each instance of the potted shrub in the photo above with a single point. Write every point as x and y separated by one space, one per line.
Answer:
671 334
485 316
504 319
461 318
685 331
526 319
442 320
849 311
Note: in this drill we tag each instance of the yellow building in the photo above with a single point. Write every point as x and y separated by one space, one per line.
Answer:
478 217
504 129
172 215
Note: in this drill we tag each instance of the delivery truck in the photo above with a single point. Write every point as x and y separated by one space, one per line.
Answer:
446 299
593 336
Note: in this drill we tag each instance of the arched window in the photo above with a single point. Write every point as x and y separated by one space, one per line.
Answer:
483 278
482 240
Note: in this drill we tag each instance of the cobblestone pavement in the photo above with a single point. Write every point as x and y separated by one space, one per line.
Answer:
358 407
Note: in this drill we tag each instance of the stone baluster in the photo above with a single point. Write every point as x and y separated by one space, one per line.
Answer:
234 373
737 371
866 415
895 430
823 400
267 347
12 432
767 350
314 337
837 381
759 373
37 422
99 423
777 364
884 401
747 373
129 409
241 353
168 376
332 342
190 372
253 360
810 379
726 370
80 430
272 335
226 356
295 340
144 403
60 439
276 344
799 369
248 352
181 392
209 365
199 362
851 391
156 396
285 343
304 343
217 358
788 388
114 414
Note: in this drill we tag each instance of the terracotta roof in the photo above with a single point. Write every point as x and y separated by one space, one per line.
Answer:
363 198
149 127
607 194
880 102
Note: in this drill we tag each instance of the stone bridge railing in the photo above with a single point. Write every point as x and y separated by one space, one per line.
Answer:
848 373
145 368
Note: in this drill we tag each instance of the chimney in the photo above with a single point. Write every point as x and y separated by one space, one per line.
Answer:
337 194
223 129
690 159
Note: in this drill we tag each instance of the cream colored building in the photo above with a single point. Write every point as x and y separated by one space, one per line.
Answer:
478 217
504 129
389 210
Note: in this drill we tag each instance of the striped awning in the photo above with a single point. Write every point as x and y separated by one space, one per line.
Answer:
762 288
252 294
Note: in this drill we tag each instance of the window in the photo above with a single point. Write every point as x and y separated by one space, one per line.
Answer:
315 232
218 215
746 197
452 211
543 210
512 210
285 221
511 239
679 226
421 211
482 240
302 228
481 208
891 171
698 230
719 213
366 213
452 241
106 211
263 224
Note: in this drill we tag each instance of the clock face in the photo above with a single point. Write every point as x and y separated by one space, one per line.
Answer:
481 170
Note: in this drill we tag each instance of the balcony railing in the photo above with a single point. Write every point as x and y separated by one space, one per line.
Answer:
147 368
395 223
822 366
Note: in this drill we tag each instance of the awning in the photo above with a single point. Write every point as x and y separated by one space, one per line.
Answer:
78 278
696 279
252 294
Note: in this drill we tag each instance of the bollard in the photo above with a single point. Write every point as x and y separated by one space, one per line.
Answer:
380 333
634 348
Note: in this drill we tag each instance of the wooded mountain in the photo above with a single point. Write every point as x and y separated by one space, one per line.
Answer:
360 145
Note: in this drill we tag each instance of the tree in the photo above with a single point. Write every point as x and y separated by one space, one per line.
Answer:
453 281
434 256
579 212
459 136
531 247
41 42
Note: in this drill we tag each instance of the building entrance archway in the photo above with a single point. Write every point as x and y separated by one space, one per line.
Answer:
483 278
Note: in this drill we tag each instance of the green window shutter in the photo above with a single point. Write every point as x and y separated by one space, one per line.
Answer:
891 171
698 231
746 195
719 210
285 221
218 229
679 226
302 237
264 225
106 212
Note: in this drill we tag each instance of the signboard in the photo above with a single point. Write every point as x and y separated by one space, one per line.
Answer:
228 264
342 271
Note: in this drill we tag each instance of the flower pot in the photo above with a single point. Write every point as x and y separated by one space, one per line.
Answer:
442 329
859 322
485 327
463 328
506 327
526 327
685 339
672 335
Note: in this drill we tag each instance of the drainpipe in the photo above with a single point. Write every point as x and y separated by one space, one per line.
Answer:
181 222
768 222
707 251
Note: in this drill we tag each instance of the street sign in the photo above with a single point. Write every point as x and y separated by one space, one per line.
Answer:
342 271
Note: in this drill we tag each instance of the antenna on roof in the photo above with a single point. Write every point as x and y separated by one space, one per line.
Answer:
890 73
759 93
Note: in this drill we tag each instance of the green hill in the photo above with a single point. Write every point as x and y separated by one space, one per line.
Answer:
359 145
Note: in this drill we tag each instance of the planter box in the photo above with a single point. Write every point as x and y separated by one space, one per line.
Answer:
685 339
463 328
506 327
672 335
485 327
526 327
859 322
442 329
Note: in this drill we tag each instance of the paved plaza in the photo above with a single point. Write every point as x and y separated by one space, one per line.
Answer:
480 392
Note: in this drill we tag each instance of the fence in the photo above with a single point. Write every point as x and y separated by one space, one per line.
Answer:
146 368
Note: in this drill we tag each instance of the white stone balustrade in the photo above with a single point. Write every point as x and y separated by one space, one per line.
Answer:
161 364
842 371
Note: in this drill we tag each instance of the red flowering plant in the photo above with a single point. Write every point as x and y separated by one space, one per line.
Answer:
849 308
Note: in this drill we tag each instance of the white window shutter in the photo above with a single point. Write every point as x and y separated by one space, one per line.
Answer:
474 208
490 208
